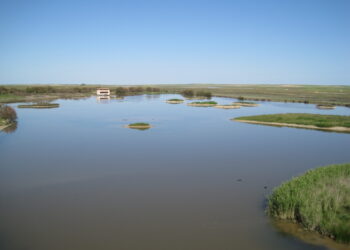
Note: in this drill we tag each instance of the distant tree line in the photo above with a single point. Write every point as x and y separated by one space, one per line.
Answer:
44 90
189 93
123 91
84 89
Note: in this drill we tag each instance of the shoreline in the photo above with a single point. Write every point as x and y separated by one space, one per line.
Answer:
335 129
227 106
174 102
243 104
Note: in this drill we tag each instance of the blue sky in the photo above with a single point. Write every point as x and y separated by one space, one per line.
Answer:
145 42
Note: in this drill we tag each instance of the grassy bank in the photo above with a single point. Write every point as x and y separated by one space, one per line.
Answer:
319 200
300 120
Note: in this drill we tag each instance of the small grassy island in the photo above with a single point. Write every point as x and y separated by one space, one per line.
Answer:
227 106
139 125
246 104
175 101
39 105
319 200
203 104
337 123
321 106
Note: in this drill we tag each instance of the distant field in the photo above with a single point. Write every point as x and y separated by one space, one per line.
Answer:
335 95
318 94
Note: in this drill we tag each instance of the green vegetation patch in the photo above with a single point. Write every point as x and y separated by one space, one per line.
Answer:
175 100
319 200
205 103
39 105
322 121
139 124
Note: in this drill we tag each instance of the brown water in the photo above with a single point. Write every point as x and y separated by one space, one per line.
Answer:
74 178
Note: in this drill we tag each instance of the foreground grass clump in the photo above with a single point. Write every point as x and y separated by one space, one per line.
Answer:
39 105
319 200
322 121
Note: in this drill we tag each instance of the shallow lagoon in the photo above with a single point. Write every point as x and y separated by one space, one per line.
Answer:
75 178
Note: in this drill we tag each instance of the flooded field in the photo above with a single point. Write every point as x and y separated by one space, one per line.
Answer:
76 178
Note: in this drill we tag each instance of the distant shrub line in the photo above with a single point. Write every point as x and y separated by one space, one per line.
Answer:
188 93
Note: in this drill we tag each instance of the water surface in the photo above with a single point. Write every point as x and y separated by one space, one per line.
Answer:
74 178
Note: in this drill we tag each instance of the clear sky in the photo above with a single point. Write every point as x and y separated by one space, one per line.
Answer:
180 41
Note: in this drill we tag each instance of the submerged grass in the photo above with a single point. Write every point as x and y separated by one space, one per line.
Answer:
322 121
319 200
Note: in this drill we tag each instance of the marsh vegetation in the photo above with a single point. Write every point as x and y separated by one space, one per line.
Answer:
319 200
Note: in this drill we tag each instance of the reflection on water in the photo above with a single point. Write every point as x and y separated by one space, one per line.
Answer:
141 129
10 129
290 228
74 178
103 99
